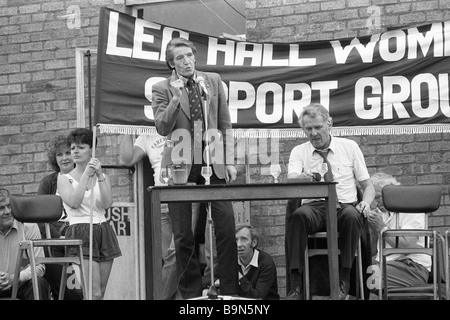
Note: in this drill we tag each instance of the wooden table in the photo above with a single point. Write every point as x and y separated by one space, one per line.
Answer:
234 192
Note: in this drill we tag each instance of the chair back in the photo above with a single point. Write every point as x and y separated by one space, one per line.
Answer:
42 208
413 199
424 198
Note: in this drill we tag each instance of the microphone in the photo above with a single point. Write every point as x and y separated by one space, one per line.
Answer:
316 176
201 82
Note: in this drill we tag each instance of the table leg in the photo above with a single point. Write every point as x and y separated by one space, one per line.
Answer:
332 242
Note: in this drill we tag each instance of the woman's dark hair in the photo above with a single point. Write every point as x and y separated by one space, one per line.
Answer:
81 136
58 144
175 43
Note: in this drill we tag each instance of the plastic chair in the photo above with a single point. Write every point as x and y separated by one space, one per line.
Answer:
44 209
412 200
310 252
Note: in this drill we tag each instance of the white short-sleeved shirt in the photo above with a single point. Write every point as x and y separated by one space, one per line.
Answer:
83 213
346 160
153 146
406 221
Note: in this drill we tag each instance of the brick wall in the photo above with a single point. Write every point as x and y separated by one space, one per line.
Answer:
412 159
38 39
38 91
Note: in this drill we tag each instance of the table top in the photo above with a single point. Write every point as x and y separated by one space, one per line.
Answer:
238 185
244 191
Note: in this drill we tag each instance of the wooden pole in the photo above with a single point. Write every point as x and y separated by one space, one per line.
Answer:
94 138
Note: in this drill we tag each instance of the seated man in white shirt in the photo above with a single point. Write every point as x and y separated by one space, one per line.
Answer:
10 236
402 270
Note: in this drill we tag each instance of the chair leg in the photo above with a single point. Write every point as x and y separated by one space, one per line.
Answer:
63 283
15 287
445 260
447 266
359 274
360 271
82 279
33 271
383 282
306 284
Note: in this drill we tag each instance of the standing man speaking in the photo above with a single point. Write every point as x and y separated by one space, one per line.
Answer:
180 115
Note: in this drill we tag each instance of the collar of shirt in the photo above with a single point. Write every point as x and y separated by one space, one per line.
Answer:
15 225
253 262
194 76
331 147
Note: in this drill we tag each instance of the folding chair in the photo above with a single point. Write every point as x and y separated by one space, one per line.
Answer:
412 200
310 252
44 209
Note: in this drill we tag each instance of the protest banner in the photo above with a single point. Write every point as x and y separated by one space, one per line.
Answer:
395 82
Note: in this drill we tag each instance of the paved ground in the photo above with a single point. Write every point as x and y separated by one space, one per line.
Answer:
372 297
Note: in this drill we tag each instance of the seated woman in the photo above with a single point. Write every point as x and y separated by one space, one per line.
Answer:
60 160
76 190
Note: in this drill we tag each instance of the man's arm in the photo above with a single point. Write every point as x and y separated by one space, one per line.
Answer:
31 233
304 176
411 221
166 105
368 195
296 170
267 275
129 155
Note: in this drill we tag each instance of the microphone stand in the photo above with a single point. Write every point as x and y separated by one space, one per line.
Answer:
212 291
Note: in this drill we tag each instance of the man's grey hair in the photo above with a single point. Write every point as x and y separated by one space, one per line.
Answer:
381 179
314 110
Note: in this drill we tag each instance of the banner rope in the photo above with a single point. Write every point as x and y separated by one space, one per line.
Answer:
292 132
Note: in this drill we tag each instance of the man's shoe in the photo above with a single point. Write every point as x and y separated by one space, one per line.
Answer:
343 289
295 294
